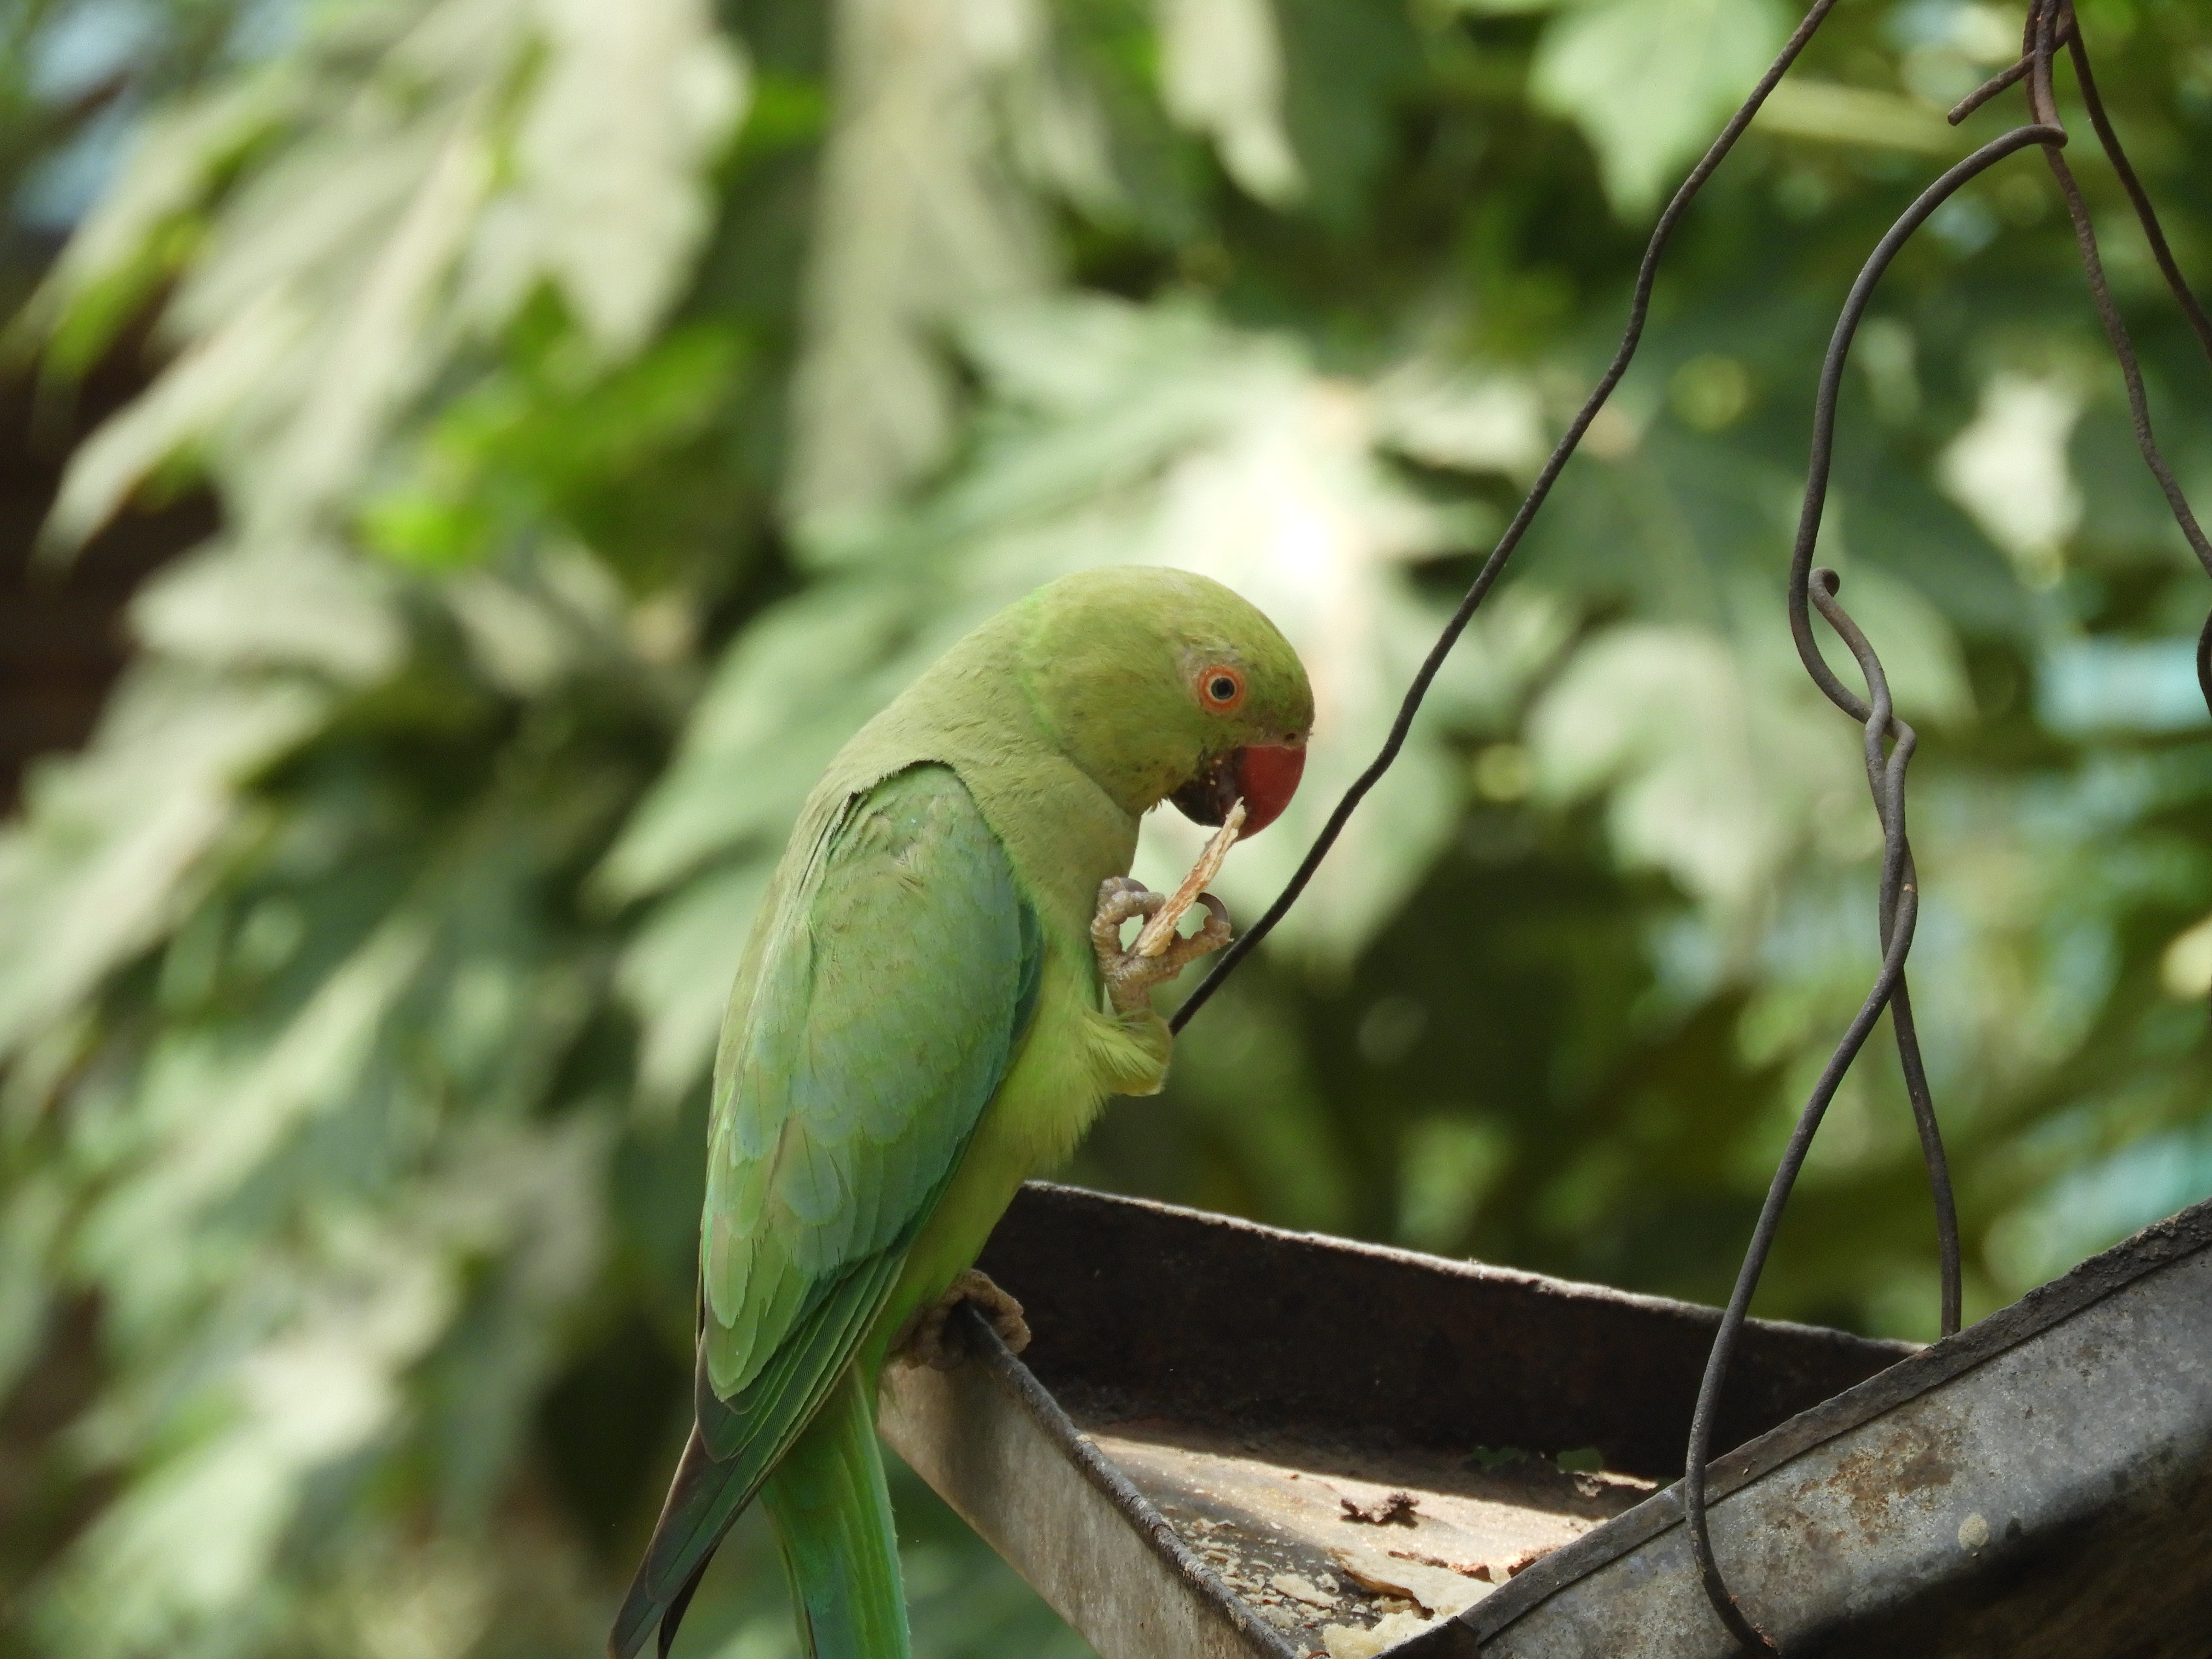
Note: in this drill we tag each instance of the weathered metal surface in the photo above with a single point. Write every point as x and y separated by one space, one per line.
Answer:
2039 1485
1144 1309
995 1446
1157 1538
1203 1397
1239 1386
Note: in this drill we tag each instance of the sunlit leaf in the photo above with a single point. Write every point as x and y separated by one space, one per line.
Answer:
1221 73
918 221
1650 81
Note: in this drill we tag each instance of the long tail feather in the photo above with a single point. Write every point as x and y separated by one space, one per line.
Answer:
704 1498
672 1620
833 1516
752 1431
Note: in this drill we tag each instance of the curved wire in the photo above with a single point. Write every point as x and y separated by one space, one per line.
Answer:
1900 912
1494 566
2049 24
2116 331
1889 742
1898 904
2148 216
1832 376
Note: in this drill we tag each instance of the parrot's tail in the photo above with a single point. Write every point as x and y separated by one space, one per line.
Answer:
703 1500
833 1516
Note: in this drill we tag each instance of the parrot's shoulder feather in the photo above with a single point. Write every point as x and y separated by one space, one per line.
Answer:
877 1016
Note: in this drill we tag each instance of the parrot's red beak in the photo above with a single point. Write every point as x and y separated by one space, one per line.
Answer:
1264 776
1268 775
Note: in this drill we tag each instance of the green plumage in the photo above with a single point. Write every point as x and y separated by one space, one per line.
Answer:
840 1111
916 1027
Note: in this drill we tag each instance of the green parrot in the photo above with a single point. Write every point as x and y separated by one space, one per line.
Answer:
934 1005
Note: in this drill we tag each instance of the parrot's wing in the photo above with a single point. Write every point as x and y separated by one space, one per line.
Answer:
897 974
884 1009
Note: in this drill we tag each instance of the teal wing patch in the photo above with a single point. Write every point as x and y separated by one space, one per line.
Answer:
881 1013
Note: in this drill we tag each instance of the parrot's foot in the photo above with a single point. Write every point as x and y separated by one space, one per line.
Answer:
1130 977
929 1340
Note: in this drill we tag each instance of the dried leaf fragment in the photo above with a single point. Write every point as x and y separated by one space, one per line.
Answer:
1440 1591
1299 1587
1159 931
1400 1508
1465 1568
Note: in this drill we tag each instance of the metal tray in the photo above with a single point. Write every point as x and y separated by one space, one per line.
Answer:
1228 1440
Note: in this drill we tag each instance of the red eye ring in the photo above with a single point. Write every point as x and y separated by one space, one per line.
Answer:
1220 688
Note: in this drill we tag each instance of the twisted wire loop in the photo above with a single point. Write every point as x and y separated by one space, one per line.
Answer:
1899 909
2050 24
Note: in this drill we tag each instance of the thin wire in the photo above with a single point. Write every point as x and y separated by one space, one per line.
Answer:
1889 742
1898 906
2049 23
1989 89
1831 375
2013 76
2145 212
2116 331
1494 566
2085 237
1902 909
1900 900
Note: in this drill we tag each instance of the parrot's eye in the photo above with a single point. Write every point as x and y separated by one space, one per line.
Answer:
1220 688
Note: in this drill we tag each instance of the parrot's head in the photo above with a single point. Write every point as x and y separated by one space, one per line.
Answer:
1164 685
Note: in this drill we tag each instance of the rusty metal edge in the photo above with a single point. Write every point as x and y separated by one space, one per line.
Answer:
1035 1401
2156 1247
1451 1266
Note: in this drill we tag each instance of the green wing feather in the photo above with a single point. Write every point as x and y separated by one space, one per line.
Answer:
875 1019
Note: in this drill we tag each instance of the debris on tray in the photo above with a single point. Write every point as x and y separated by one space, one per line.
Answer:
1352 1642
1299 1587
1437 1591
1398 1510
1328 1546
1522 1562
1480 1569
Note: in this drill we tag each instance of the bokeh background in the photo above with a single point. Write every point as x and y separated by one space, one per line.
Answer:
531 434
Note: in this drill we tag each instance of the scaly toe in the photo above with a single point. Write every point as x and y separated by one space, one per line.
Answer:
1207 939
1004 1313
931 1337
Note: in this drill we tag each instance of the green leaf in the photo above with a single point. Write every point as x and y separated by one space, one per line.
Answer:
99 866
918 221
1221 74
415 207
1716 768
1650 82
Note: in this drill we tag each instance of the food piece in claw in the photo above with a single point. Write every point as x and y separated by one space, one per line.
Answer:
1128 975
1160 931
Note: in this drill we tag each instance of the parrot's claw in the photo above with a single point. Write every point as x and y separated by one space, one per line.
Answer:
929 1339
1129 976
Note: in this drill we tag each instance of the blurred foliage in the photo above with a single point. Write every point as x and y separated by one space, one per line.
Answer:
611 405
77 77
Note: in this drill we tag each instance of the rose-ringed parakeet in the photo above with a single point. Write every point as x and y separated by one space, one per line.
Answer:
933 1003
